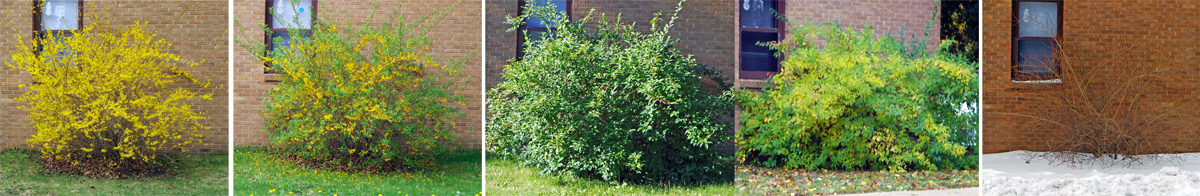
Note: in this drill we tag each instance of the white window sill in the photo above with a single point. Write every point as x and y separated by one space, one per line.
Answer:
1054 81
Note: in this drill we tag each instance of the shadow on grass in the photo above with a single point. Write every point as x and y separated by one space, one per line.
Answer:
506 177
22 174
258 172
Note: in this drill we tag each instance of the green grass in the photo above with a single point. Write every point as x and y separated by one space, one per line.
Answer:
21 174
259 173
753 180
506 177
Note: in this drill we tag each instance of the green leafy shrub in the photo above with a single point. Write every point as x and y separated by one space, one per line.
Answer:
609 103
108 101
861 102
364 99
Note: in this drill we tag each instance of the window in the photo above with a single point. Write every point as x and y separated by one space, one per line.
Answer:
1035 39
284 15
536 27
759 24
56 19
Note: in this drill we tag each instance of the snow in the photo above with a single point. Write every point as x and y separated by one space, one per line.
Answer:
1009 174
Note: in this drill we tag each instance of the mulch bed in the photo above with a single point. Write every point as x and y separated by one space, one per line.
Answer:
752 180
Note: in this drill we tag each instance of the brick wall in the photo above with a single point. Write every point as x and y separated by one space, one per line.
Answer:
200 36
1160 34
456 36
704 28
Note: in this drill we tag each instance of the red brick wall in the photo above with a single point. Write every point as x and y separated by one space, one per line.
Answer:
200 37
456 36
704 28
1095 30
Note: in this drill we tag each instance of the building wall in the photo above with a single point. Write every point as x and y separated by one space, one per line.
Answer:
1161 34
457 36
705 28
200 36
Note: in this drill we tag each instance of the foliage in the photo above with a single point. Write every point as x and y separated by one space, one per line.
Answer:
1094 118
960 22
610 103
261 173
107 100
368 98
861 102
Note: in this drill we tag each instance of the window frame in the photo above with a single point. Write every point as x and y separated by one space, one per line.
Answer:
270 19
39 32
525 27
1016 38
780 30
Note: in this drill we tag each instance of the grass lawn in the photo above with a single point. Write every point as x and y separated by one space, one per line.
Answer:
258 173
777 181
509 178
20 174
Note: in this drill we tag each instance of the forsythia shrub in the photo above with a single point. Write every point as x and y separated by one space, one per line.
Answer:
364 99
108 101
861 102
609 103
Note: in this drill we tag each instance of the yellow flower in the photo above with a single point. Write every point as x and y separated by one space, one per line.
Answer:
271 191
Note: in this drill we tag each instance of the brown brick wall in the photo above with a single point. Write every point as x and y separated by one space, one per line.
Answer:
1162 34
456 36
705 28
199 37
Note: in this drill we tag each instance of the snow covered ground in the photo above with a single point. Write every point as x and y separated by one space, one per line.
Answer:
1009 174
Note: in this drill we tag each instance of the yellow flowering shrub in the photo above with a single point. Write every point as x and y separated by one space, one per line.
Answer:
366 99
108 100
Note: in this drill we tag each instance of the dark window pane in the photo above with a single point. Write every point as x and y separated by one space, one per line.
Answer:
755 57
1038 19
536 35
60 15
292 16
753 61
1036 57
758 13
559 5
284 40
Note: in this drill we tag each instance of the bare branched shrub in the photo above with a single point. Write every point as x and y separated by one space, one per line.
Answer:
1103 109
